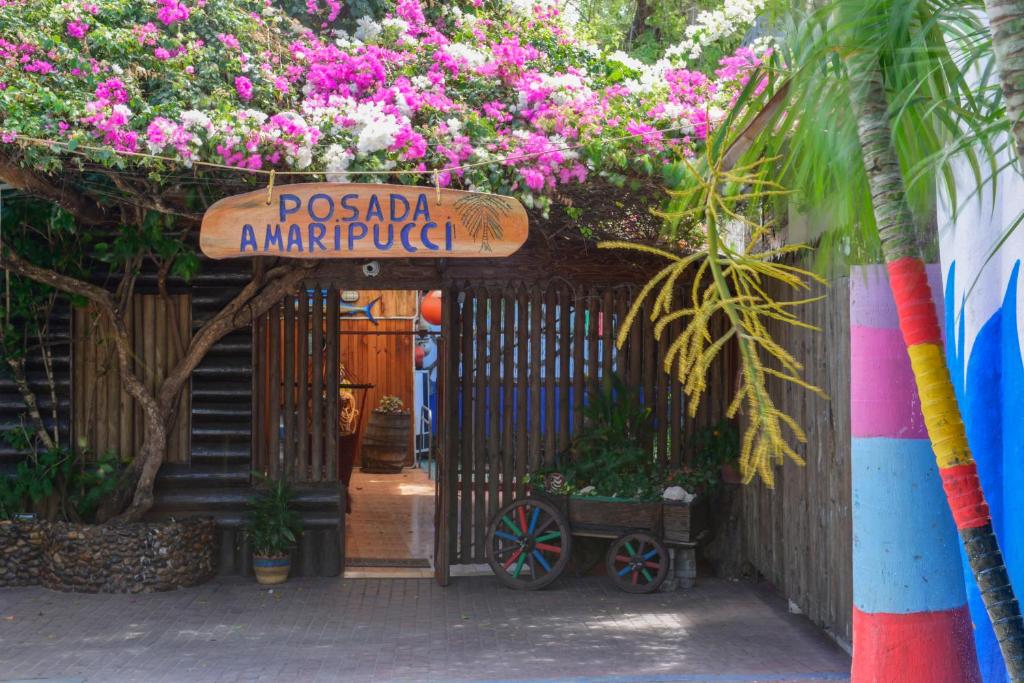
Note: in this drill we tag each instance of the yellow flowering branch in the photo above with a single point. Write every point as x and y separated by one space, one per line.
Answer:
730 284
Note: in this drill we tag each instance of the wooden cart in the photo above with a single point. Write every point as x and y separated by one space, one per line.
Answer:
529 541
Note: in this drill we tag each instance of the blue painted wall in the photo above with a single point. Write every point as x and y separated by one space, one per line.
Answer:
990 389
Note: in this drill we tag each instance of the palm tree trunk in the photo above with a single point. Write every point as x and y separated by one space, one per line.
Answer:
1006 19
920 327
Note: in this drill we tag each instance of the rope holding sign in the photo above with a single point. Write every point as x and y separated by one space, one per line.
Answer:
270 188
437 187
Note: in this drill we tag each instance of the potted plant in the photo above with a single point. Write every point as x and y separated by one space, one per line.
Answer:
715 448
274 528
385 445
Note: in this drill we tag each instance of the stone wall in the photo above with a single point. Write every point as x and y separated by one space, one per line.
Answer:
114 558
21 552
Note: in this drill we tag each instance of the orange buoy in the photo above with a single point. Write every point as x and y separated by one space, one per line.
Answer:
430 307
421 353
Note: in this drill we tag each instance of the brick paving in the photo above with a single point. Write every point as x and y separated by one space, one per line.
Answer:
313 630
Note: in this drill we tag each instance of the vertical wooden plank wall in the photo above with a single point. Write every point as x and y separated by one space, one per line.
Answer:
105 415
381 355
525 362
799 534
299 346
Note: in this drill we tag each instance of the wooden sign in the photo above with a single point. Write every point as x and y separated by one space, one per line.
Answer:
343 220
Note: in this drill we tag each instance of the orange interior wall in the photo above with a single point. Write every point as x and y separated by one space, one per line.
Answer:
384 360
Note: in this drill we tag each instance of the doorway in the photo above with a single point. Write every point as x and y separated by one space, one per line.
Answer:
326 362
389 345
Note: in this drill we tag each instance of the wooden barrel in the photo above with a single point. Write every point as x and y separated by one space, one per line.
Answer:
385 444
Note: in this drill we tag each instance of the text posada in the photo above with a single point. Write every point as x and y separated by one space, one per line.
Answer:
335 226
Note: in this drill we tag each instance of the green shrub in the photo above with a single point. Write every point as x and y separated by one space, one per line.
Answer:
274 526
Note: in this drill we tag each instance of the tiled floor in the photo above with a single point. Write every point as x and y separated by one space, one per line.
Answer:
392 516
408 631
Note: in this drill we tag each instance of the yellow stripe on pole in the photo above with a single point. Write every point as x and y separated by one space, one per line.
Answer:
938 405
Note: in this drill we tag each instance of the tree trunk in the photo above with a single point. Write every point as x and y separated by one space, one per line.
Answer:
920 327
258 295
1006 19
262 292
639 23
28 397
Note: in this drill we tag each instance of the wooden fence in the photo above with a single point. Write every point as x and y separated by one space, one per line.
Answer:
799 535
105 416
522 362
295 411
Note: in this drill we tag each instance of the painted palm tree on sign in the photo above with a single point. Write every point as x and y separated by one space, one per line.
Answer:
482 215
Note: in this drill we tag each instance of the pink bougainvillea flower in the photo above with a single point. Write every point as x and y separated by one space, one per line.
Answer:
171 11
243 86
77 29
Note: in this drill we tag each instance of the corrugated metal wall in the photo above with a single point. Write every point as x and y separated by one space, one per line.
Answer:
12 408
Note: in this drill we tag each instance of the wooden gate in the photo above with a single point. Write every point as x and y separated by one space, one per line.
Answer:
297 377
521 362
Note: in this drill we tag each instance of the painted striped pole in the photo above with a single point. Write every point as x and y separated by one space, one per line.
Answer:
910 618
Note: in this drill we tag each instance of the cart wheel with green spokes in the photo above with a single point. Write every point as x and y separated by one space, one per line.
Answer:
637 562
528 544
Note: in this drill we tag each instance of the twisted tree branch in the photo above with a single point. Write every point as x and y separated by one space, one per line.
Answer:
76 204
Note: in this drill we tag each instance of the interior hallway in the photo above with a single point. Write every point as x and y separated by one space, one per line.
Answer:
392 520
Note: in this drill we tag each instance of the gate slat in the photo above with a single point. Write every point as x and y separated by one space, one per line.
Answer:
607 340
565 296
317 446
550 428
578 363
661 393
535 383
650 355
478 472
289 387
274 414
448 402
677 437
593 352
301 458
506 383
468 429
333 380
494 358
522 392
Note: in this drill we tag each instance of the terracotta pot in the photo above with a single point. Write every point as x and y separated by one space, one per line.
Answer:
730 475
271 570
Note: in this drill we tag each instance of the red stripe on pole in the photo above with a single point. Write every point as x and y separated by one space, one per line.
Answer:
919 647
966 500
913 295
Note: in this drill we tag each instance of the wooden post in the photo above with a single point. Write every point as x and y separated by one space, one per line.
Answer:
579 366
507 383
536 307
274 414
289 387
317 447
333 382
522 389
550 356
303 377
565 296
479 470
467 434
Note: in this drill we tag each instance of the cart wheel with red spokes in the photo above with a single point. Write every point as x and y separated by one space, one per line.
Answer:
528 544
637 562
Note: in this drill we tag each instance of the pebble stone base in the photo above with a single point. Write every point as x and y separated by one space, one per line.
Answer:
109 558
